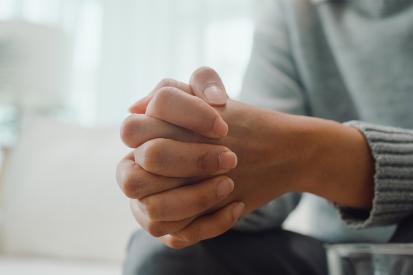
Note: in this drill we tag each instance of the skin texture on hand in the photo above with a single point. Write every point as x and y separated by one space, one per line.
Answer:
269 157
156 200
265 144
262 143
194 164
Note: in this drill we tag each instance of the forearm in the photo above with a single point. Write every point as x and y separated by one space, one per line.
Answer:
338 163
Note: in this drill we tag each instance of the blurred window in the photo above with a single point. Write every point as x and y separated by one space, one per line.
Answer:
122 48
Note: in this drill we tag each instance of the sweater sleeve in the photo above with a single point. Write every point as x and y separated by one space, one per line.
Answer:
271 82
392 150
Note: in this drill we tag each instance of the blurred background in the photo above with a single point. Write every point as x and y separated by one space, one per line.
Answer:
111 53
68 72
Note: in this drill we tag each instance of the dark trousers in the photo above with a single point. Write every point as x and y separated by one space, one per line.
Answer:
276 253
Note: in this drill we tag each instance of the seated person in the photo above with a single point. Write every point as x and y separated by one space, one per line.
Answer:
213 179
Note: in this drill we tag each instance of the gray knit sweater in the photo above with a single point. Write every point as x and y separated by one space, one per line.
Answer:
349 61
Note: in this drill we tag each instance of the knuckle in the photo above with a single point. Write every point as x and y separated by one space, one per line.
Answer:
207 162
151 155
152 209
155 229
133 184
202 162
130 129
128 185
163 96
126 180
167 82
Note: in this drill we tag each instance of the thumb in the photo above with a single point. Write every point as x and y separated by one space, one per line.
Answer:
206 84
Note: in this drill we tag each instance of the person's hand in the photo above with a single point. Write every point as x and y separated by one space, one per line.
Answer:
266 146
154 193
170 154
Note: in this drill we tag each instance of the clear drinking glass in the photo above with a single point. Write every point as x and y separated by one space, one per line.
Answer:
370 259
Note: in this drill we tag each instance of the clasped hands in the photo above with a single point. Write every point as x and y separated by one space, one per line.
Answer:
200 160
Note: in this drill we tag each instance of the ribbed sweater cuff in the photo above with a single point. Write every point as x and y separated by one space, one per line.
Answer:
392 150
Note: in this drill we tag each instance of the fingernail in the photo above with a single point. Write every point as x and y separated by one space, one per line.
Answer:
220 127
238 210
215 95
227 160
225 187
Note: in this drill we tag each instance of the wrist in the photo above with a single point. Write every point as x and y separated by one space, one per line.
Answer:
340 167
293 152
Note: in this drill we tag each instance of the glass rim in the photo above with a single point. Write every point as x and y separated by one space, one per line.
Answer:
382 249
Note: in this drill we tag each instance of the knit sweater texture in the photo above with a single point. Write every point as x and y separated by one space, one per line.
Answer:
350 61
